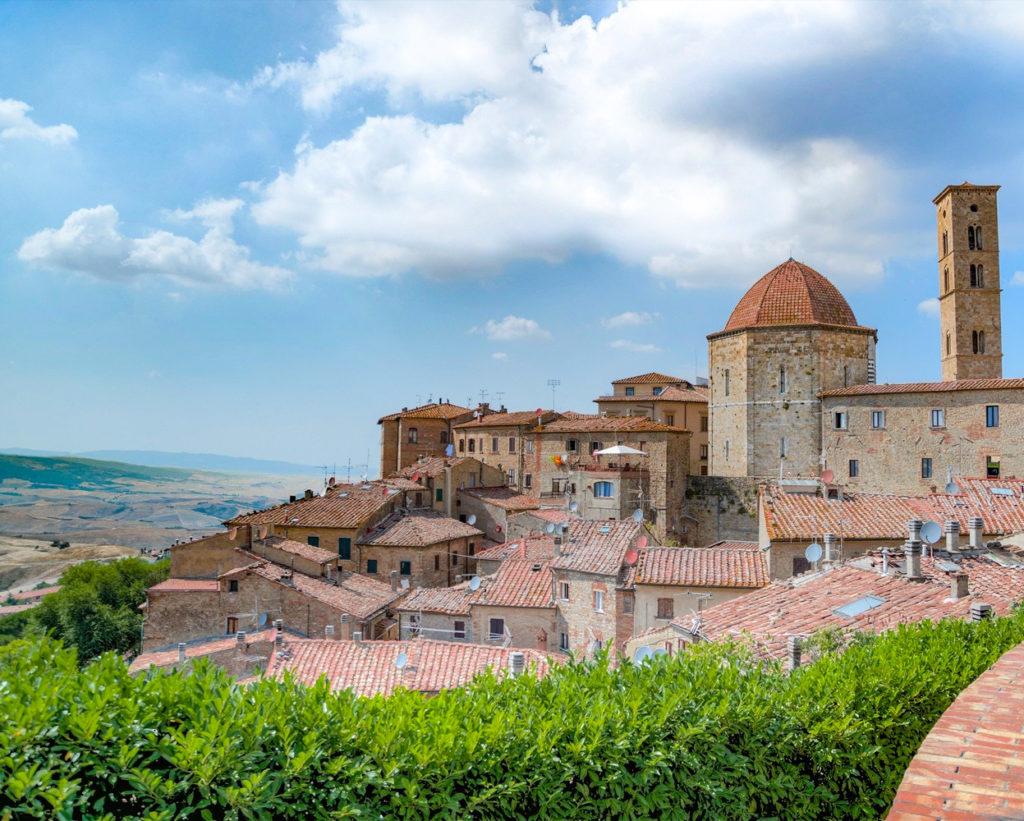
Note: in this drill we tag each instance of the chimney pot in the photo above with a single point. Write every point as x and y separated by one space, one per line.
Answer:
394 580
831 548
240 638
980 611
181 651
959 585
357 636
912 550
795 650
558 545
976 526
517 662
952 535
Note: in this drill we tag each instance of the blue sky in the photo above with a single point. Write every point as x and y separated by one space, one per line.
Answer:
253 228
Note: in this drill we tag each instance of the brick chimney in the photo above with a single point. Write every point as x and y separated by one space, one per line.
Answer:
558 545
279 637
952 535
958 585
394 581
912 550
976 525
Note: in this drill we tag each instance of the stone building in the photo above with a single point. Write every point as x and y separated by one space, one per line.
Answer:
442 477
492 508
501 440
410 433
790 337
667 399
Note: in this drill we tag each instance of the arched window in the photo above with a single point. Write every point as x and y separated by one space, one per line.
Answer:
974 341
414 436
977 236
949 345
981 342
945 243
945 279
981 276
970 237
604 490
974 276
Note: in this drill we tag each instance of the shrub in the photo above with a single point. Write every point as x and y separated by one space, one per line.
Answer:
708 734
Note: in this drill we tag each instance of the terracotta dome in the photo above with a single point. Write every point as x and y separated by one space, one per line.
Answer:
791 294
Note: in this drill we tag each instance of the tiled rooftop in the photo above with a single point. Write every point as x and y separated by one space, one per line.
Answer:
652 378
598 547
519 582
671 394
11 609
29 595
418 528
432 410
503 497
197 649
928 387
702 567
431 467
192 585
345 506
791 294
368 667
455 600
529 547
306 551
970 766
625 424
507 420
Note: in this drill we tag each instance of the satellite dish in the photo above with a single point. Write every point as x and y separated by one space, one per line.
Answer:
405 584
638 515
415 477
641 542
931 532
402 660
642 654
574 506
263 619
294 519
540 412
474 583
449 450
550 528
813 552
632 555
471 519
364 476
952 488
828 476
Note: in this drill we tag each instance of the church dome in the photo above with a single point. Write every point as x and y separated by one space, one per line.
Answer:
791 294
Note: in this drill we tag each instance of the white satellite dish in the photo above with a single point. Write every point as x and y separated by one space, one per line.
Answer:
574 506
638 515
931 532
642 654
474 583
405 584
952 488
550 528
402 660
471 519
813 552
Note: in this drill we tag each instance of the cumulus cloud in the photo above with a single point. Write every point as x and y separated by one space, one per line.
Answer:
629 319
513 328
582 137
90 242
1018 278
929 307
634 347
16 124
501 357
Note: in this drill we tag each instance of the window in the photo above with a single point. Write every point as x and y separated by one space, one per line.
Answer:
439 495
528 480
839 420
945 243
481 444
970 237
938 418
511 476
455 559
726 381
405 568
437 561
414 625
371 566
599 601
559 485
444 437
563 641
563 591
313 541
414 436
858 606
529 446
496 628
459 629
232 624
800 565
945 278
511 444
666 609
854 469
977 236
462 446
345 548
949 345
981 276
703 470
627 603
472 548
419 498
472 446
604 490
703 451
878 419
992 416
670 419
572 445
657 391
630 391
926 468
494 444
782 379
595 446
992 467
233 586
782 448
703 424
974 276
981 342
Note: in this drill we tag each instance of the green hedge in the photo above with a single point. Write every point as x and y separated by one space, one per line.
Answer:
708 734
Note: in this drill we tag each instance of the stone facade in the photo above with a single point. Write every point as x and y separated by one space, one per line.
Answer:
720 508
435 565
649 613
969 302
502 441
583 628
533 627
208 558
413 433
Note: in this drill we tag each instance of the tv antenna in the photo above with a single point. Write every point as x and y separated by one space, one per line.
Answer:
553 384
499 394
483 395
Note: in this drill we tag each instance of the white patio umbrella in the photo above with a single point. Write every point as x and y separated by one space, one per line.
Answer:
619 450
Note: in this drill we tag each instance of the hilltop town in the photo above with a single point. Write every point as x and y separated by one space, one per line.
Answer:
786 492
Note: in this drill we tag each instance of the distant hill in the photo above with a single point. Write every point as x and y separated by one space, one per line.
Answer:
75 472
195 461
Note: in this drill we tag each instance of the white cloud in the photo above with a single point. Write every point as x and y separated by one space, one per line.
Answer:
501 357
929 307
90 242
630 319
635 347
513 328
16 124
608 141
1018 278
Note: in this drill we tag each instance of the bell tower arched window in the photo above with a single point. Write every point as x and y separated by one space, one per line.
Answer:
974 341
974 276
981 276
949 345
945 243
981 342
945 279
970 237
977 237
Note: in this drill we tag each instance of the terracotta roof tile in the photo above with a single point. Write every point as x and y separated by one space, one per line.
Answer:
652 378
928 387
791 294
432 410
368 667
507 420
626 424
519 582
430 468
11 609
345 506
196 649
528 547
598 547
29 595
193 585
454 600
502 497
702 567
667 395
418 528
306 551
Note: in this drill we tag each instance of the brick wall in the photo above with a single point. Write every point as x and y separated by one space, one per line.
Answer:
577 616
436 565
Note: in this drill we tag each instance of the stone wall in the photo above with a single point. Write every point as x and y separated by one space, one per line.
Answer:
718 508
684 600
577 615
436 565
529 627
208 558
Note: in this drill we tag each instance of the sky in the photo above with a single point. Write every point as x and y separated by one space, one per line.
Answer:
253 228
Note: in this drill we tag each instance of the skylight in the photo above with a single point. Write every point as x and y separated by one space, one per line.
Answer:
858 606
606 529
1002 491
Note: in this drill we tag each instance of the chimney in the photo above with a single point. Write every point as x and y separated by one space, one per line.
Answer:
794 652
558 545
394 581
517 663
308 494
958 586
980 611
912 550
357 636
291 499
240 639
181 652
346 626
831 548
976 525
952 535
885 561
279 638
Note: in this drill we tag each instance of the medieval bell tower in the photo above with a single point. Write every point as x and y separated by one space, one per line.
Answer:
968 233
